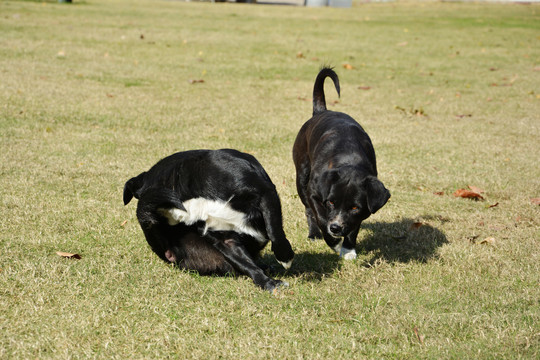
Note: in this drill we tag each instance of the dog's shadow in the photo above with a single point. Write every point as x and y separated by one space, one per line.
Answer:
401 241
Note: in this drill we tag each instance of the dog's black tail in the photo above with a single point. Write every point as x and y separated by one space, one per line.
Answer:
319 101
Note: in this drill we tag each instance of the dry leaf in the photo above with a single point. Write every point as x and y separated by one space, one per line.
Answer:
123 223
300 55
535 201
418 336
195 81
468 194
475 189
364 87
416 225
348 66
440 193
68 255
494 205
488 241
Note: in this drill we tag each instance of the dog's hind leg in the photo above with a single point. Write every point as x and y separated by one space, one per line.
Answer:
237 255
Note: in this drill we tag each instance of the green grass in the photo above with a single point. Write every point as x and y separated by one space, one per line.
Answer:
95 92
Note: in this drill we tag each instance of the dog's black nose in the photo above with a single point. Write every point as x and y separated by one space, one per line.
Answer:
335 228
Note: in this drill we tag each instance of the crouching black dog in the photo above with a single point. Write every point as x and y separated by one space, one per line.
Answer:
211 211
336 173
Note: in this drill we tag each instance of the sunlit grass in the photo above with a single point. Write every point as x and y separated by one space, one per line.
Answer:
95 92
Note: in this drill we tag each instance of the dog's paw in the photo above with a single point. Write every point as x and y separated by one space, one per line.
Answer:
348 254
286 265
273 286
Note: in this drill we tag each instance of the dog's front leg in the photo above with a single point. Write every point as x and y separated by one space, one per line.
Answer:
314 231
348 251
236 255
271 211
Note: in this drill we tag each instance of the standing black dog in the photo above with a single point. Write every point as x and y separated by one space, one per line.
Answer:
212 211
336 173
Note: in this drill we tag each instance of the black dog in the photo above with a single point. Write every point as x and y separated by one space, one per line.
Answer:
212 211
336 173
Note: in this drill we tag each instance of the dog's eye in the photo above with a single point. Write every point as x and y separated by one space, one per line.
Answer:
354 208
329 204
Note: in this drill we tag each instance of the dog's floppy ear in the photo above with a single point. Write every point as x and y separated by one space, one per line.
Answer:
133 187
377 194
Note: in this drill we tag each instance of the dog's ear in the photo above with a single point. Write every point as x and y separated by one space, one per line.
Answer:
377 194
133 187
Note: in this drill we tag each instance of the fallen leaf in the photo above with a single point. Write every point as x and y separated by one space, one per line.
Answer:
195 81
300 55
302 98
535 201
416 225
348 66
418 336
364 87
123 223
68 255
493 205
488 241
468 194
461 116
475 189
110 95
142 36
440 193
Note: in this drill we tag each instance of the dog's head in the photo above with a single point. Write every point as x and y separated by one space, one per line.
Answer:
348 197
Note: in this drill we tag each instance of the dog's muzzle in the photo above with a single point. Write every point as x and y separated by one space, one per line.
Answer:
335 229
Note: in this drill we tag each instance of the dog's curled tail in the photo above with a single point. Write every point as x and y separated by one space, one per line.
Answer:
319 101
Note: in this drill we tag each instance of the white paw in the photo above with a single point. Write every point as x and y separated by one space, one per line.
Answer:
348 254
338 249
286 265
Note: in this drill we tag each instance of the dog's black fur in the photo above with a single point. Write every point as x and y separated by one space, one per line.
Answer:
336 173
235 180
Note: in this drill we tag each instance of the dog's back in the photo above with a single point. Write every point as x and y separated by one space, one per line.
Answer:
330 133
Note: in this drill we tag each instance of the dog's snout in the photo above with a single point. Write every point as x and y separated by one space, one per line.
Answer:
335 228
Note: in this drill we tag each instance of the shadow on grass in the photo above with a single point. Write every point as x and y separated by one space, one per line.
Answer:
402 241
311 266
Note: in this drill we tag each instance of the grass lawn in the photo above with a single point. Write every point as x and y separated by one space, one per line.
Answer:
94 92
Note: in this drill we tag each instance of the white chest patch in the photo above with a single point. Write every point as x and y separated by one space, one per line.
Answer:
218 216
